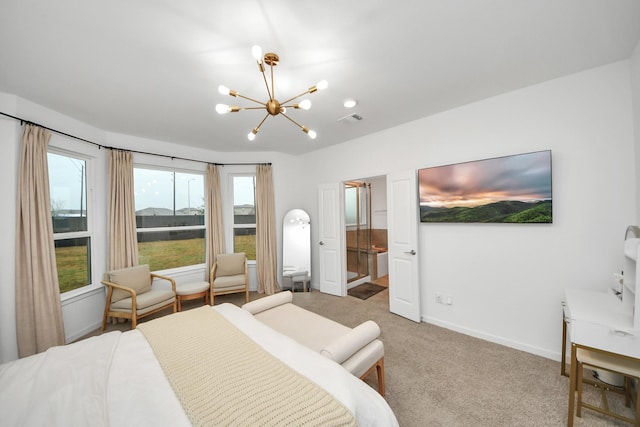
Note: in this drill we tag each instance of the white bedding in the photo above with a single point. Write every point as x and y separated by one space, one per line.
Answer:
138 393
64 386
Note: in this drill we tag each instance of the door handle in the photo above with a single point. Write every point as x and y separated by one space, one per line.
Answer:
321 243
411 252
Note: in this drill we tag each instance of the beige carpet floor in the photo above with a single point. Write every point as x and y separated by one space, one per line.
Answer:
437 377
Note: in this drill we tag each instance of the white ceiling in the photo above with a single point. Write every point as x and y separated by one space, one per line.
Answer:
151 68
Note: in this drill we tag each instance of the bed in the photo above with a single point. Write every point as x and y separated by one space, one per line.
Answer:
117 379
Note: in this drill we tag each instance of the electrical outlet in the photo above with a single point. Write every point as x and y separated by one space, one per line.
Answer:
439 298
449 300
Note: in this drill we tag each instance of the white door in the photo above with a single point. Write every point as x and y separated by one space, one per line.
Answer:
330 241
402 217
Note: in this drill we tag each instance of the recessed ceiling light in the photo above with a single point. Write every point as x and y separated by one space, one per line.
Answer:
350 103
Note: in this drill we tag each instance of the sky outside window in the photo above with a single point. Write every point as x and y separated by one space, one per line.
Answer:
67 184
154 189
244 190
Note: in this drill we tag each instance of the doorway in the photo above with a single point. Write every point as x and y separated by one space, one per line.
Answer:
394 212
366 231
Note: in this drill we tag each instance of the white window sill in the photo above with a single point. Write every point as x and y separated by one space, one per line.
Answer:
80 293
181 270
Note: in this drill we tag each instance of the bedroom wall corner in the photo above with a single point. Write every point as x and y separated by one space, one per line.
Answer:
635 98
9 137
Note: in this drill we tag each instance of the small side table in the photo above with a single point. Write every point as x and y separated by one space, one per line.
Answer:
192 290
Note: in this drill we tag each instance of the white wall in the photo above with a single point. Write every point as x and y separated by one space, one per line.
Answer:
378 202
507 280
635 91
9 130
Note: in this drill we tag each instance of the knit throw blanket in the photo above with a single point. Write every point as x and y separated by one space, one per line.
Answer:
223 378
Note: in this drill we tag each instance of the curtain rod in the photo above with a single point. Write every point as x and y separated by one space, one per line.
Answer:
100 146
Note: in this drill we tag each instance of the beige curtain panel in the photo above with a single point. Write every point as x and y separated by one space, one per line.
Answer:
266 259
38 311
122 238
215 225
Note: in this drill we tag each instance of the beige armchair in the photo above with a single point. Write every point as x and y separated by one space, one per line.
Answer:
230 275
129 294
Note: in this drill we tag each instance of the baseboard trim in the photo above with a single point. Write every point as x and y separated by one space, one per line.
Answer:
553 355
84 331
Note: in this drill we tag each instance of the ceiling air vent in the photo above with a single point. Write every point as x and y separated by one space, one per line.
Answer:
351 118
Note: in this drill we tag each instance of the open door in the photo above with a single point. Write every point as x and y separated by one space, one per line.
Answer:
330 243
402 215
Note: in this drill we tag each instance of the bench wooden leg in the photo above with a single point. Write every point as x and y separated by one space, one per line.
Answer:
379 366
380 372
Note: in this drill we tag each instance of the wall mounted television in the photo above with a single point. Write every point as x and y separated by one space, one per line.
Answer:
509 189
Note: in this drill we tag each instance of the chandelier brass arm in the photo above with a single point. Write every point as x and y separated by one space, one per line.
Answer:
273 107
251 136
236 94
304 129
312 89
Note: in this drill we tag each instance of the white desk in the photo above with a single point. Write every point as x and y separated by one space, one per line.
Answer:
597 321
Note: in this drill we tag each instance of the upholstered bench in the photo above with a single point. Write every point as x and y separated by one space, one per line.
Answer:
358 350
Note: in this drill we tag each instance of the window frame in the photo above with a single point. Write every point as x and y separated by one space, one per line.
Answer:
89 209
163 168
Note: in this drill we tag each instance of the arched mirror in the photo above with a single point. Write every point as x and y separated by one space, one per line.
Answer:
296 251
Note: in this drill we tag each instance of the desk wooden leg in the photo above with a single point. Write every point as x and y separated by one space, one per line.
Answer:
572 385
563 360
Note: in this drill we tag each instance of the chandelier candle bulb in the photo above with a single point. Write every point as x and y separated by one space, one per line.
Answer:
312 134
305 104
256 51
222 108
226 91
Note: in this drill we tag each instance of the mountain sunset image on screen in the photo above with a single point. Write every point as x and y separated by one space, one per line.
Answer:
510 189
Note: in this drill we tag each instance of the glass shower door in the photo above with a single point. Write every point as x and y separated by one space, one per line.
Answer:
358 236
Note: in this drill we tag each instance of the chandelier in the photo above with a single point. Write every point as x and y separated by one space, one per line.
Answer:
273 107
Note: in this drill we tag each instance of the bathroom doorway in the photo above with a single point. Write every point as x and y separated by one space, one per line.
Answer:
365 205
357 213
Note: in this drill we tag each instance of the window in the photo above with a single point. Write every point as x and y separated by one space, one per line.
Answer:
244 215
69 214
169 218
352 197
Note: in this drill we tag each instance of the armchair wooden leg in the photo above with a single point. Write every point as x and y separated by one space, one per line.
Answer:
104 321
106 308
